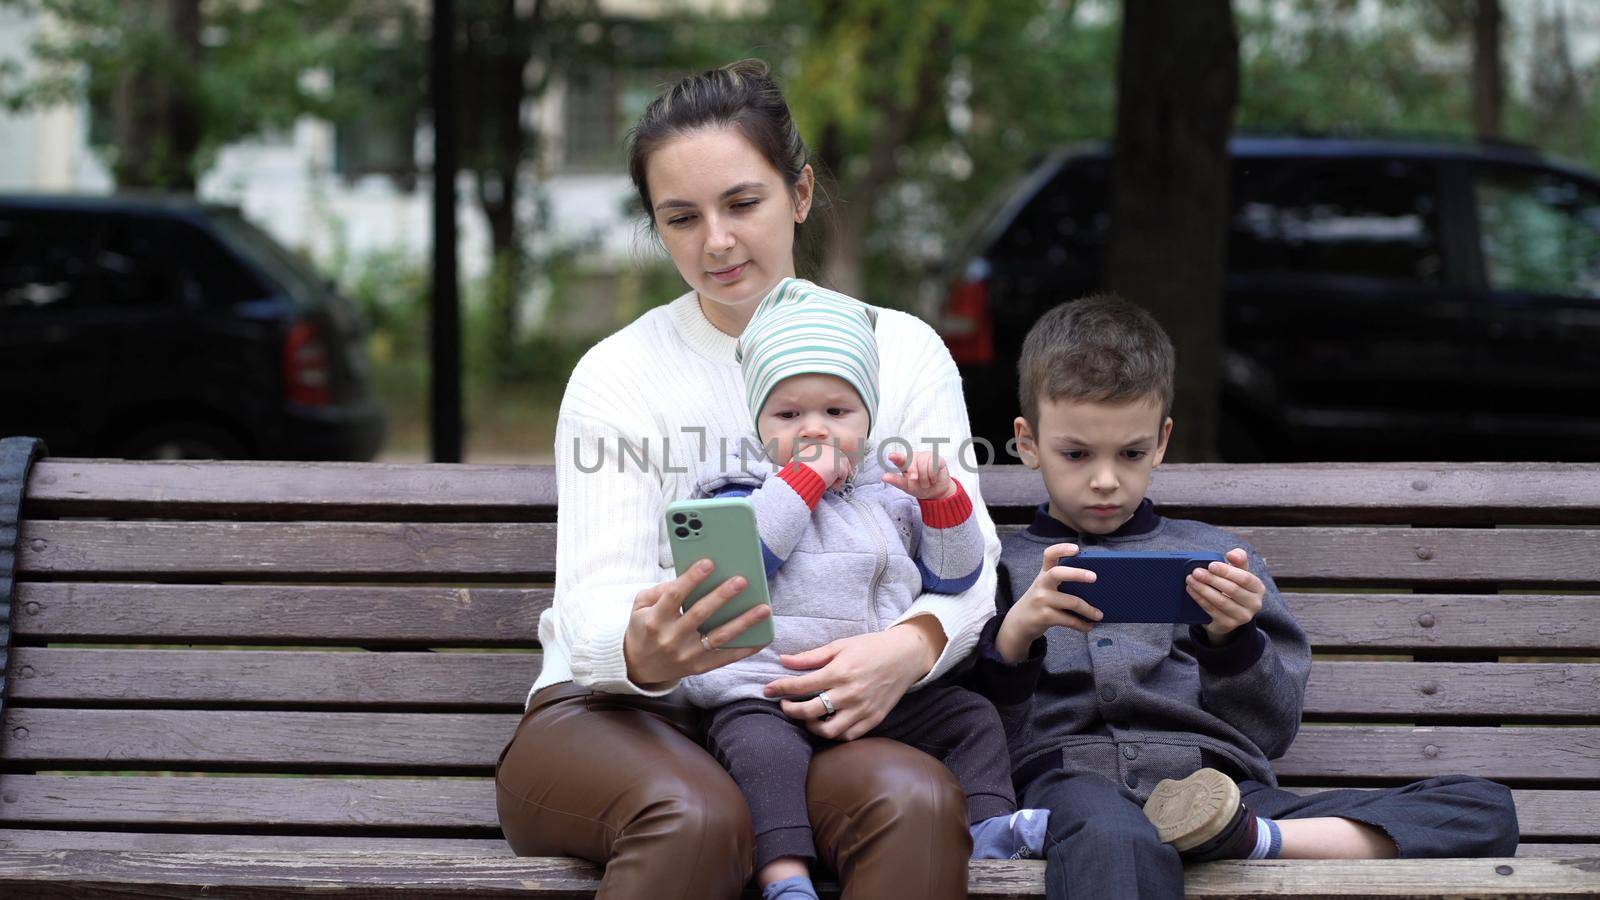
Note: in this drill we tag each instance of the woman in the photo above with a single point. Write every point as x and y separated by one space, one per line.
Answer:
605 764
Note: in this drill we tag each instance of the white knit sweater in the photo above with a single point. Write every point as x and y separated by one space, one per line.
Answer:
667 388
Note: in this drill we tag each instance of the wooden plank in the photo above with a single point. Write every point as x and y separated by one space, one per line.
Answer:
375 551
499 681
1552 557
264 550
1411 493
255 741
354 804
279 490
275 678
178 842
468 743
281 614
1555 850
459 807
92 873
1346 493
492 617
1341 751
1389 622
1521 691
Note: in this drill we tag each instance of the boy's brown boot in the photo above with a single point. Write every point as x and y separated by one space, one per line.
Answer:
1202 817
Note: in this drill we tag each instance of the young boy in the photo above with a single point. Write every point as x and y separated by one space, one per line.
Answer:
848 547
1181 720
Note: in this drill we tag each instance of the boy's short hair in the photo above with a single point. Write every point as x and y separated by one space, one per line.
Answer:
1098 349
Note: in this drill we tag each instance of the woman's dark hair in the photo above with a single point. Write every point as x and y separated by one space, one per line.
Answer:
740 95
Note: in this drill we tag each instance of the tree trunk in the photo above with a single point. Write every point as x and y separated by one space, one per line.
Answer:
502 145
844 261
1488 71
156 122
1177 84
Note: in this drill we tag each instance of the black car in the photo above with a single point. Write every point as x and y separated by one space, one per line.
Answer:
1385 299
163 327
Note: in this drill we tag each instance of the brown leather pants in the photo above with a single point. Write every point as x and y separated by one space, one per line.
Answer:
623 780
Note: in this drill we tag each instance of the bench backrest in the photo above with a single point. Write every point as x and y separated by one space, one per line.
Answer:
254 655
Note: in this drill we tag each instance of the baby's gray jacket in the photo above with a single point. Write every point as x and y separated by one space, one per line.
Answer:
852 566
1137 703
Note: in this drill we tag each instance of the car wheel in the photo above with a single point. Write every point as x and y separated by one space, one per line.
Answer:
184 441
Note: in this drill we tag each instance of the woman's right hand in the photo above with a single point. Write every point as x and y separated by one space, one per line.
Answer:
663 642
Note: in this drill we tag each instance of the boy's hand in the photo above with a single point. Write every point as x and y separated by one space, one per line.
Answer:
927 478
1043 606
827 459
1229 592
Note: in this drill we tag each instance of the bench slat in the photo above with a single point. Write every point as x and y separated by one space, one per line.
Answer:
396 806
162 842
1372 493
280 614
274 490
284 679
366 805
489 616
376 551
1507 690
398 742
81 873
485 681
254 550
1390 622
1339 751
367 743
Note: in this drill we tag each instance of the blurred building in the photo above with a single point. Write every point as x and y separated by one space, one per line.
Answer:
349 190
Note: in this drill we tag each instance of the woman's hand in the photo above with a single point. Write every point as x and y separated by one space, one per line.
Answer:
865 676
663 644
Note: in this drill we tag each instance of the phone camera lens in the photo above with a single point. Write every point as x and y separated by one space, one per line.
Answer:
678 518
695 525
682 532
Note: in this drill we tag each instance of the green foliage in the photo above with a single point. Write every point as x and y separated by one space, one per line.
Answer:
247 76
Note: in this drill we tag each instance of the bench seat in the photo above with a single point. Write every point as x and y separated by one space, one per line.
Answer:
261 679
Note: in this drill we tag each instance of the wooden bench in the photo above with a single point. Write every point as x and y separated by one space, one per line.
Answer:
251 679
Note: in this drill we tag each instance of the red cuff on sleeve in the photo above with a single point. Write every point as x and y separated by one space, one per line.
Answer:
805 481
949 512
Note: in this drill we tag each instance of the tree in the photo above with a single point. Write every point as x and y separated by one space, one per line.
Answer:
869 83
178 79
1177 83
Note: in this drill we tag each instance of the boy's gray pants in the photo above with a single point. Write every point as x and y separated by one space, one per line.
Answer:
768 755
1101 845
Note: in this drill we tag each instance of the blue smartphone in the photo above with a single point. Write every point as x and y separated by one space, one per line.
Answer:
723 531
1140 585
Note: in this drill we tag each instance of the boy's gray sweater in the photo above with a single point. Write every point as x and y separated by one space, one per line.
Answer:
1138 703
851 566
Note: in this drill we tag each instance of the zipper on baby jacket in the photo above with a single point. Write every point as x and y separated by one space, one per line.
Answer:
847 492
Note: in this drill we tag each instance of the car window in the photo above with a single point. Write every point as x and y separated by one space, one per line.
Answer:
46 260
210 273
292 272
135 263
1539 231
1369 218
1067 218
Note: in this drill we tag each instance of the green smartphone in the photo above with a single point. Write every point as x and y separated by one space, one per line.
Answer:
722 530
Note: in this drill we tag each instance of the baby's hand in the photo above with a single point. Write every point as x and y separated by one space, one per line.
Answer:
1229 592
1045 605
827 459
927 478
